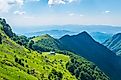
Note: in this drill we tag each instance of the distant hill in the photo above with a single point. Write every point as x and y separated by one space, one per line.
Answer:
100 37
20 63
53 33
84 45
45 43
114 44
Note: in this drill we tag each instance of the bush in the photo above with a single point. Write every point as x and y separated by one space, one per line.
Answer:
0 39
16 59
31 44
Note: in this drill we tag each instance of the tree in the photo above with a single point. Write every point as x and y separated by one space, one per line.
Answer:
31 44
8 30
0 39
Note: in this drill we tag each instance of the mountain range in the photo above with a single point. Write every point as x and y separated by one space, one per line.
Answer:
73 28
114 44
19 61
53 33
84 45
100 36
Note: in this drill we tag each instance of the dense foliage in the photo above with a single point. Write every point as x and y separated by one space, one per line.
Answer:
22 40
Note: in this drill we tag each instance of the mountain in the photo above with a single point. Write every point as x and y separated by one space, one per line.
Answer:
100 37
83 44
73 28
53 33
20 63
45 42
114 44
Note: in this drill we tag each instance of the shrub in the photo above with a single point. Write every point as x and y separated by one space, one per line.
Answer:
0 39
16 59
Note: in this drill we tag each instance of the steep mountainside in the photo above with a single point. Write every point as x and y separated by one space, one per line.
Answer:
19 63
114 44
84 45
100 37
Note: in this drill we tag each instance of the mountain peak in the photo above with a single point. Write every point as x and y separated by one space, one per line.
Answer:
46 35
117 35
84 36
84 33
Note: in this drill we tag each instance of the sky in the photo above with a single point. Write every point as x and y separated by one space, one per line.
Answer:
60 12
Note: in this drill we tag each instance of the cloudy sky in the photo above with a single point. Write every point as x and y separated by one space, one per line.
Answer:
60 12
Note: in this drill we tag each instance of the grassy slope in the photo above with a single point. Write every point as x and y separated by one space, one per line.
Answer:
47 41
41 40
39 66
19 63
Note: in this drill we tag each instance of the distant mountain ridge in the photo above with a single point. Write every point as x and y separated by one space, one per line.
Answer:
114 44
53 33
100 36
73 28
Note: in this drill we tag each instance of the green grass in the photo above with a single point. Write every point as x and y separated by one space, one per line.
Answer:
19 63
33 65
46 36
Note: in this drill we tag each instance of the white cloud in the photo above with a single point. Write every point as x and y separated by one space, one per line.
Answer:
20 2
56 2
19 12
5 5
81 15
71 14
107 12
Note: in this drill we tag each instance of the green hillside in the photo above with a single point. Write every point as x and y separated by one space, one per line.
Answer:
19 63
45 43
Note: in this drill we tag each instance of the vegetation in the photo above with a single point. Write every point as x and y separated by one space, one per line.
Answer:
0 39
84 45
45 43
22 40
20 63
16 62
